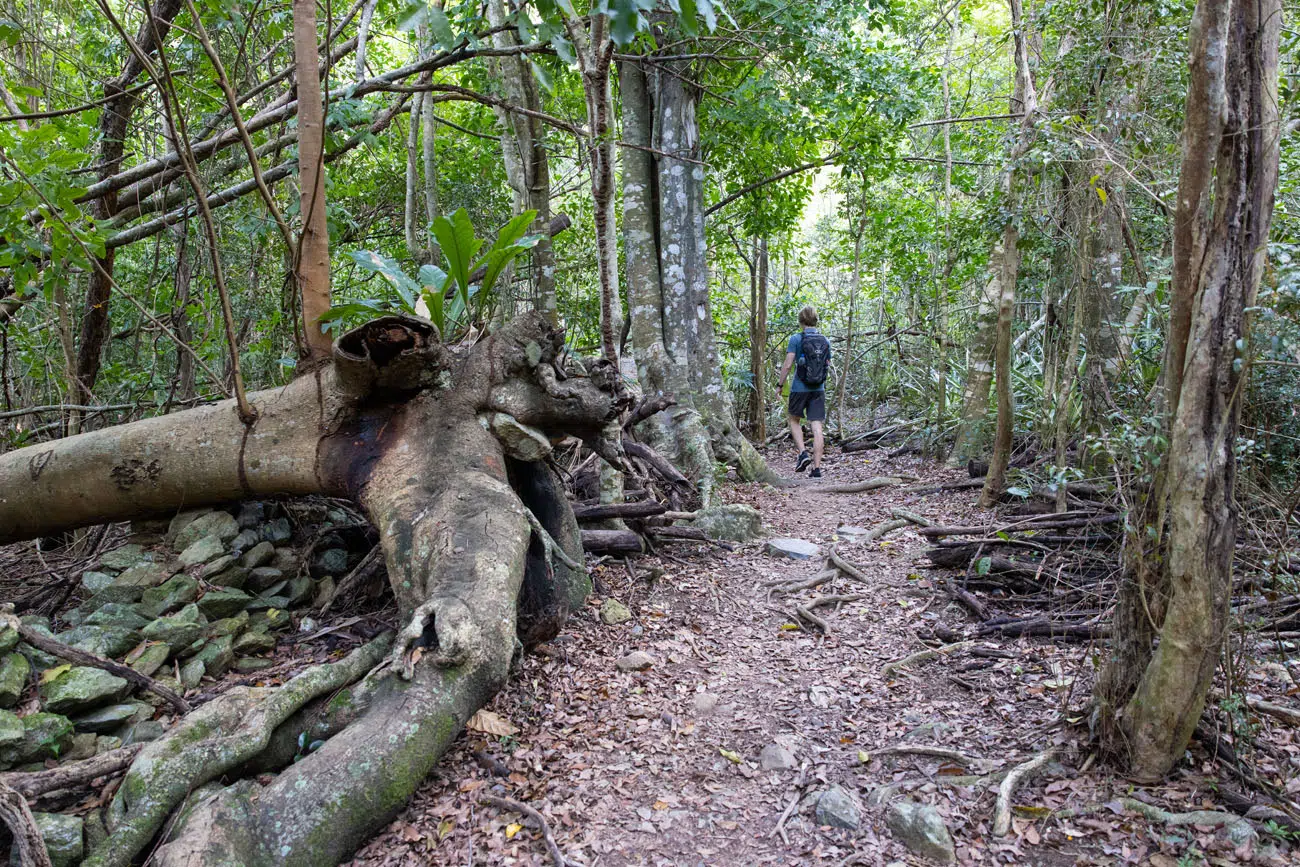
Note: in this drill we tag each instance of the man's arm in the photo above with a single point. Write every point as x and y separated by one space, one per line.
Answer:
785 370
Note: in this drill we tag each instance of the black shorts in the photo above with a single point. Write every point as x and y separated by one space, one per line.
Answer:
811 403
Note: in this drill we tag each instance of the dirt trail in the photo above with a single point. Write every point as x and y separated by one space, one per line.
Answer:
662 767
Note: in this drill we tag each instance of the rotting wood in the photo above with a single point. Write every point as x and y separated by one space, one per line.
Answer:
32 784
27 839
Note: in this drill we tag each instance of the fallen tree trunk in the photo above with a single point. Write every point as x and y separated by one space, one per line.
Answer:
466 529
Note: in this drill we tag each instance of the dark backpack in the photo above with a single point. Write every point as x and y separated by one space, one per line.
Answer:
814 360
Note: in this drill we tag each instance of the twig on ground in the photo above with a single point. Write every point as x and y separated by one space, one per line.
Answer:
359 573
538 818
867 485
31 784
919 520
1288 715
882 530
81 657
1020 773
925 750
925 656
795 797
17 817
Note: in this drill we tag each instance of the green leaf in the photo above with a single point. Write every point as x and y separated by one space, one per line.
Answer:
433 299
412 15
440 26
543 77
459 246
983 566
390 271
624 21
433 276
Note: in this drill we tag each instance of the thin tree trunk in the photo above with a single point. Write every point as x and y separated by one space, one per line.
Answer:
855 286
114 118
412 209
1025 101
1152 699
758 342
949 251
313 264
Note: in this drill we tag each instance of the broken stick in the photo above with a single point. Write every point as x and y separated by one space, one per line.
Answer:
1020 773
525 810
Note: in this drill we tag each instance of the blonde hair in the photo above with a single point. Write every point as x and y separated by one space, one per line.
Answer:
808 317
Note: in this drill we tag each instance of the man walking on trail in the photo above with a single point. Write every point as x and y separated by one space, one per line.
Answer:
809 352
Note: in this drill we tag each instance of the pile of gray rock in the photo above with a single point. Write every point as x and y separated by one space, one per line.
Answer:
193 597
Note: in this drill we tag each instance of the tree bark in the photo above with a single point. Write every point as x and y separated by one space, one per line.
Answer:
523 151
114 118
313 265
454 528
1025 101
1151 699
758 343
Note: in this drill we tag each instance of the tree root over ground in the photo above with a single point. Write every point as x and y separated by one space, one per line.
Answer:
413 433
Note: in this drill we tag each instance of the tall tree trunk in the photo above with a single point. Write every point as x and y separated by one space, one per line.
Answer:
758 342
1151 699
949 251
679 432
313 265
1025 101
855 287
523 151
412 209
114 118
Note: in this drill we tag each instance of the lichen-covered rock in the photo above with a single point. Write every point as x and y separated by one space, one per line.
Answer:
8 638
192 672
45 736
176 592
220 525
123 614
836 808
299 591
278 531
177 630
217 654
256 640
734 522
203 550
11 730
223 602
121 559
145 575
638 660
258 555
14 669
794 549
231 626
148 656
106 719
272 618
95 581
613 612
520 441
215 566
39 659
245 540
108 641
249 664
263 578
183 520
331 561
920 828
81 688
63 838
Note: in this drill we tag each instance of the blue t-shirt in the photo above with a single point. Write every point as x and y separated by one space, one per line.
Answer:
796 346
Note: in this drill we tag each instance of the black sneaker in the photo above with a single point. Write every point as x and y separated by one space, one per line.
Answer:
816 473
802 463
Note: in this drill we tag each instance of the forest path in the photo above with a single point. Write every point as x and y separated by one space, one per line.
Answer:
663 766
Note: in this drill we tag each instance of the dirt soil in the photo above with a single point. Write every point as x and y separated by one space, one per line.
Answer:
662 766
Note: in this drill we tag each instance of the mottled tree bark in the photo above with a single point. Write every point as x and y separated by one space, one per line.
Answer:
313 263
1151 698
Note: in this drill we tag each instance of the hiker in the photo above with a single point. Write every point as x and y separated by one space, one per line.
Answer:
810 353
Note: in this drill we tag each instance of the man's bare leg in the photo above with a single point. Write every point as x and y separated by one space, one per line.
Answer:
819 444
796 434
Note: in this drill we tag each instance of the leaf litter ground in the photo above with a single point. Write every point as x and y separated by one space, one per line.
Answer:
662 766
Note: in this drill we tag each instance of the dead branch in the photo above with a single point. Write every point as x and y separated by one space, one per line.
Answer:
602 511
925 656
1019 774
524 810
17 817
1288 715
919 520
871 484
925 750
32 784
81 657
